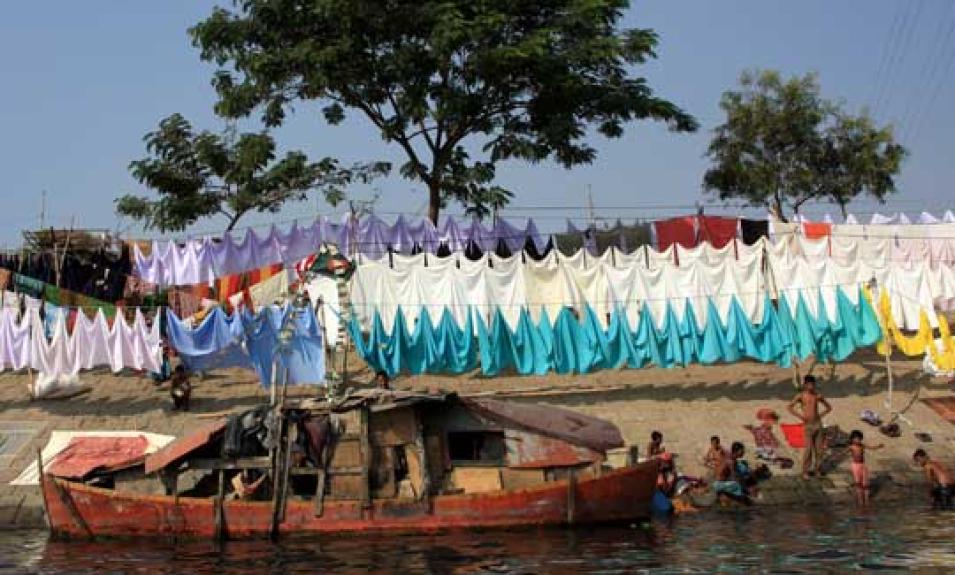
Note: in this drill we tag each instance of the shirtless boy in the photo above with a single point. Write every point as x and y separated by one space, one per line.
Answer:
810 402
943 484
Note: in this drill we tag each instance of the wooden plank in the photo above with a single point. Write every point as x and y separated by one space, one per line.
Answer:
346 454
521 478
346 470
477 479
230 464
392 428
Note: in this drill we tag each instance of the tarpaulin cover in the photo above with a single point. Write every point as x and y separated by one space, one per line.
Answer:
84 455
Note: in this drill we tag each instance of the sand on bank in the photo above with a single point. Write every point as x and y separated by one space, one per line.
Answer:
687 405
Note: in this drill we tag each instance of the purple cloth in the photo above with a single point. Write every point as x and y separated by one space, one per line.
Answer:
203 260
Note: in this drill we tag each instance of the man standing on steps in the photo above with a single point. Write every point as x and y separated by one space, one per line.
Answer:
810 401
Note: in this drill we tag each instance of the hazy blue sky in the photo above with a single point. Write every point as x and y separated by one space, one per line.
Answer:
83 81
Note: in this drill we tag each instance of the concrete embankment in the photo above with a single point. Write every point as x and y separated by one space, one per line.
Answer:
686 405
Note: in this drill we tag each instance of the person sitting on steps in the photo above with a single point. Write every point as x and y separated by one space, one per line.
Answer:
181 388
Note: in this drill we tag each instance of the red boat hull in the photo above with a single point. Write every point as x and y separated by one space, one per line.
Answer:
79 510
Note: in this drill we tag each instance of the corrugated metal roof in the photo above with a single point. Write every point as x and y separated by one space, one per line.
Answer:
570 426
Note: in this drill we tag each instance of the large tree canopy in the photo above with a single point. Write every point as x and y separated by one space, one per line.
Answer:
782 143
529 78
206 174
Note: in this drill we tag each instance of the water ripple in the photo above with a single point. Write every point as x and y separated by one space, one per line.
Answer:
758 540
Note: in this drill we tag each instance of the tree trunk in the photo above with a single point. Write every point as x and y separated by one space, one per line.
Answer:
434 200
777 208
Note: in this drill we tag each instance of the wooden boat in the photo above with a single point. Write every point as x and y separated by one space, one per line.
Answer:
390 462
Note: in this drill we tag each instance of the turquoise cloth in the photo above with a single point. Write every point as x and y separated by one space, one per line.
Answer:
578 343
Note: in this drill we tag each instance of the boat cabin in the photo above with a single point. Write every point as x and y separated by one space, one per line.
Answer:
383 444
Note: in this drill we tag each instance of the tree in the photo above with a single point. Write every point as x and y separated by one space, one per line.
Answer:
783 143
205 174
527 79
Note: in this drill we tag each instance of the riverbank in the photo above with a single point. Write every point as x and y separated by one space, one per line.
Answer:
687 405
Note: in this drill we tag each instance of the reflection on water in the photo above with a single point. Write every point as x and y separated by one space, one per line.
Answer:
775 541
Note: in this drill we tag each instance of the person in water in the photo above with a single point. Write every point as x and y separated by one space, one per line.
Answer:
655 448
666 477
813 407
860 472
940 478
728 480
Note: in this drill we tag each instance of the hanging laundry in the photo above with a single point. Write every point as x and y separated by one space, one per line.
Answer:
816 230
216 342
252 340
683 230
302 357
202 260
577 342
93 343
717 231
752 230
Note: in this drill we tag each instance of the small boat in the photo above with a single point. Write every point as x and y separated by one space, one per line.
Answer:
377 461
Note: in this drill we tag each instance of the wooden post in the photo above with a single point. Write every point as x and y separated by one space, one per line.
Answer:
365 451
633 455
39 468
423 462
888 369
320 476
571 496
219 509
286 466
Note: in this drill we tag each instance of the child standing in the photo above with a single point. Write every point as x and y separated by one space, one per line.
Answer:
860 473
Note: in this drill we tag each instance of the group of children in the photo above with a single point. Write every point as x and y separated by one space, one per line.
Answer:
731 476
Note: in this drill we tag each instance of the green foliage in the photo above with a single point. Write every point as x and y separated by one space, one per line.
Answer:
783 143
203 174
528 79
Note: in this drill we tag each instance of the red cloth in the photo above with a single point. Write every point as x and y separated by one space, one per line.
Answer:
795 436
84 455
718 231
816 230
766 414
681 231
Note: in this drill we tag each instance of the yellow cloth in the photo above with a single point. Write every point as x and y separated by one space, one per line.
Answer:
921 342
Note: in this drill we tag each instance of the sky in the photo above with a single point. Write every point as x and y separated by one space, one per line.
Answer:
84 81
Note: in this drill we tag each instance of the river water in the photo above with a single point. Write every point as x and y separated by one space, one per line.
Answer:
752 540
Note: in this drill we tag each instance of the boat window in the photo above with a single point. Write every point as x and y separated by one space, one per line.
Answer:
476 446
